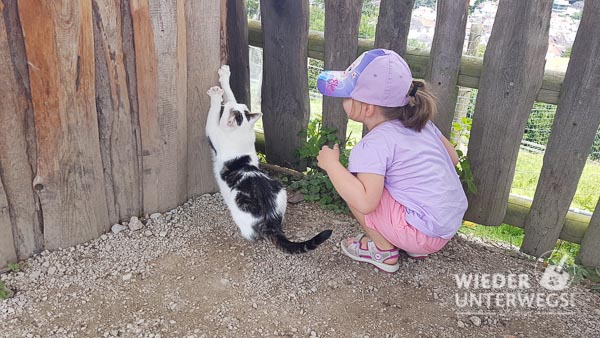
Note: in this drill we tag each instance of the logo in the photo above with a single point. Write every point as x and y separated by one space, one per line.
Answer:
555 277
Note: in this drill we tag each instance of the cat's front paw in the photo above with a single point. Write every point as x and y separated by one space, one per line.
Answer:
224 73
215 93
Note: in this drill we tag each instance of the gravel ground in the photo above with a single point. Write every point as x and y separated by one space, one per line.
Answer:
188 273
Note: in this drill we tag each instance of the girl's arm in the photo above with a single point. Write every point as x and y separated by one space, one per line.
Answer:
450 148
361 192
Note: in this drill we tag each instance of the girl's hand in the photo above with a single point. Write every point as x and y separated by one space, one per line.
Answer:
328 157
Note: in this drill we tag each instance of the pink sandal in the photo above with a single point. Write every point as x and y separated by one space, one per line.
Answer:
372 255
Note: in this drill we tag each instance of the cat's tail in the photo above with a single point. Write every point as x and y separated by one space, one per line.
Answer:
288 246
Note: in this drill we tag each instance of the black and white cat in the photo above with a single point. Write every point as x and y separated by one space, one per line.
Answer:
257 202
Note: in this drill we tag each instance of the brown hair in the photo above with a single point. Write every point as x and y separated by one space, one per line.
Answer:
421 107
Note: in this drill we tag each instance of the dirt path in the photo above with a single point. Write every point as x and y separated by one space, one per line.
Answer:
190 274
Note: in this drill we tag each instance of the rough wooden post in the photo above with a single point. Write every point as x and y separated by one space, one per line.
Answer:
161 64
19 218
8 252
589 254
342 19
285 102
203 43
575 125
238 50
444 61
119 147
69 182
513 69
393 25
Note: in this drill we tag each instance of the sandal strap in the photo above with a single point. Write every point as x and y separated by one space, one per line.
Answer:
379 255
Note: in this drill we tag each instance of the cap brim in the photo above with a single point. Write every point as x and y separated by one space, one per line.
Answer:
335 83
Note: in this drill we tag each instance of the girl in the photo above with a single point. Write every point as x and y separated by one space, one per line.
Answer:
401 184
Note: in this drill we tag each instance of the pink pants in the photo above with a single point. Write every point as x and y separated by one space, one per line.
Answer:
389 219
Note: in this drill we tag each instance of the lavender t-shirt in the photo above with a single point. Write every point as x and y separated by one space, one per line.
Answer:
418 172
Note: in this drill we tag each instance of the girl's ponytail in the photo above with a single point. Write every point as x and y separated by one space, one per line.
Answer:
421 107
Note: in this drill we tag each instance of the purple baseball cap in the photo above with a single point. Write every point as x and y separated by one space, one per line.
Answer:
378 76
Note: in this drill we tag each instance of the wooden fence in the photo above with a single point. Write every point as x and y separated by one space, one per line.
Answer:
510 78
103 106
102 114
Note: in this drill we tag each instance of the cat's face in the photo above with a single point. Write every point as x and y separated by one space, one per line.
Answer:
236 116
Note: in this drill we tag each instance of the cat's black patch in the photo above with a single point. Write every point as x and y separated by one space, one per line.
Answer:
212 146
256 192
238 117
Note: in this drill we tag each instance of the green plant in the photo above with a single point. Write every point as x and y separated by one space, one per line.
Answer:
316 185
463 169
14 267
4 291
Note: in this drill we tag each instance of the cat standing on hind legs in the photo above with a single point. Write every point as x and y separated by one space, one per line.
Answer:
256 201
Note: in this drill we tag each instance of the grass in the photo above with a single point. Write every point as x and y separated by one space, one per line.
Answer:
4 291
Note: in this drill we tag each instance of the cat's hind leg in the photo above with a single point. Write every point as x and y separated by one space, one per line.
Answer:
224 77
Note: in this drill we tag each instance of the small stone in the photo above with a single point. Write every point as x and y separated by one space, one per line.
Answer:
103 237
51 270
116 228
461 324
147 233
127 276
135 224
155 216
475 320
35 274
163 234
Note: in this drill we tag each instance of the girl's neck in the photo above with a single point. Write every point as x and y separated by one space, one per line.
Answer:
374 121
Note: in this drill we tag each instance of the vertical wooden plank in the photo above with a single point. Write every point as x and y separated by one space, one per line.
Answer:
444 61
203 41
8 251
589 254
131 80
238 50
393 25
575 125
118 145
16 141
513 68
69 181
342 19
159 66
285 102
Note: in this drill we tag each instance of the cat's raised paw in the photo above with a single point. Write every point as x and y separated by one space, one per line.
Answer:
215 91
224 71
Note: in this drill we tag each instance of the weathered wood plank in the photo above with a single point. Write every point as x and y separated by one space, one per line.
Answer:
16 144
444 63
342 19
512 74
203 41
161 73
69 181
118 144
132 92
393 25
589 254
575 126
8 252
285 102
468 76
238 52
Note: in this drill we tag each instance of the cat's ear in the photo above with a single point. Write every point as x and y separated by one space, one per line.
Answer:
252 117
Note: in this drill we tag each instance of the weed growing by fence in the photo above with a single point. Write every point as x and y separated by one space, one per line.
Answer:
4 291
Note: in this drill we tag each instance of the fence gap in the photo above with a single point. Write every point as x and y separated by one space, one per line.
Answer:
237 50
513 69
575 126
